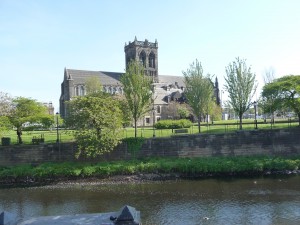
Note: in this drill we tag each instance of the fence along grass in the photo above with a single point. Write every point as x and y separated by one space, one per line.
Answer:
50 136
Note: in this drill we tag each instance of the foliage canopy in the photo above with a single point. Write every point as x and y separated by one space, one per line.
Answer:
97 120
283 92
28 110
241 86
199 90
137 90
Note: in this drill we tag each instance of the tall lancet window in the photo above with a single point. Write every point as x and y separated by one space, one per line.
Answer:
152 60
81 91
143 58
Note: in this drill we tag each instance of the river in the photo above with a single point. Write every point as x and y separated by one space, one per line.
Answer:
260 201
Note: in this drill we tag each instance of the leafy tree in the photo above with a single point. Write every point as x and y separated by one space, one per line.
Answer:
28 110
126 114
199 90
175 110
183 111
5 104
96 119
215 112
267 104
5 124
284 93
137 91
5 111
269 75
241 86
93 85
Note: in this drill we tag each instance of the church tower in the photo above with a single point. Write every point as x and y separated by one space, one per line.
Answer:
144 52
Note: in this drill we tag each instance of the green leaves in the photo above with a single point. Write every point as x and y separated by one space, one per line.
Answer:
282 93
137 90
199 90
240 85
97 121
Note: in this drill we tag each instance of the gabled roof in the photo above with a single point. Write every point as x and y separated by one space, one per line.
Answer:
106 78
113 78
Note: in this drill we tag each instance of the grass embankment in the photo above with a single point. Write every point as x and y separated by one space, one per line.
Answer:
165 168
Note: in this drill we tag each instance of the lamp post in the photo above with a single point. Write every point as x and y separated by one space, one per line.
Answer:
57 135
153 108
255 108
221 104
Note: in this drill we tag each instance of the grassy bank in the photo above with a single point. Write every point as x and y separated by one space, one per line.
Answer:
181 167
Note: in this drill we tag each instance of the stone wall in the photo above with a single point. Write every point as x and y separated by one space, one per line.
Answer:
255 142
240 143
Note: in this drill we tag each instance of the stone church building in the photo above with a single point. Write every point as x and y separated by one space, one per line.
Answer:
167 89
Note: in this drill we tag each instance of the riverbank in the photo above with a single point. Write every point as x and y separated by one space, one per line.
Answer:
147 170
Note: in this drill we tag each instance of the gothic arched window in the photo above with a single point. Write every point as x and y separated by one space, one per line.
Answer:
81 90
77 90
152 60
142 58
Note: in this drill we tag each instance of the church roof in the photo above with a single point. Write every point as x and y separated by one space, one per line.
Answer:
106 78
113 78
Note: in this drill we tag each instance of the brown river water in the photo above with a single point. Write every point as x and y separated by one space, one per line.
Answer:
271 200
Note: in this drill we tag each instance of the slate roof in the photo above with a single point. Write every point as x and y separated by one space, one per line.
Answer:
106 78
169 79
113 78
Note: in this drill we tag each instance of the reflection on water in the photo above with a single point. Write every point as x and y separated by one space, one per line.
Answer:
210 201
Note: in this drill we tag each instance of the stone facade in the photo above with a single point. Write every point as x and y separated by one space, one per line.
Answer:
166 88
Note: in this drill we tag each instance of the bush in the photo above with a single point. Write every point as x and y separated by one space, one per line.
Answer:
173 124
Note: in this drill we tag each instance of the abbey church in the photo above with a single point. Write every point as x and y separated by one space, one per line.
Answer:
168 89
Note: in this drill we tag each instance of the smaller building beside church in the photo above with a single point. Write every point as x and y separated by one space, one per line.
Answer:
167 88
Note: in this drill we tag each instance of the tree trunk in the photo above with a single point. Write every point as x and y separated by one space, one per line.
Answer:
241 121
199 119
135 128
19 133
299 119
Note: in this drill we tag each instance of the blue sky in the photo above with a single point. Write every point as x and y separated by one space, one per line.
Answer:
39 38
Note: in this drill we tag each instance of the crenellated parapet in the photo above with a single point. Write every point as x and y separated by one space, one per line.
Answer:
146 53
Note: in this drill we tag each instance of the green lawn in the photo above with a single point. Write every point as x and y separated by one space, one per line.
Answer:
147 132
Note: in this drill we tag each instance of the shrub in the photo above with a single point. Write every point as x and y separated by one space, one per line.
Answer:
173 124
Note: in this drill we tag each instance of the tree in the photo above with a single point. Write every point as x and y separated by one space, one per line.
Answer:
269 75
216 112
96 119
284 92
93 85
267 104
137 91
183 111
28 110
241 86
5 104
199 90
126 113
5 111
5 124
